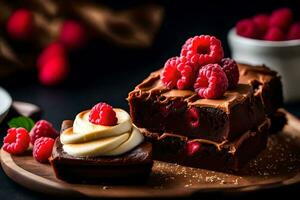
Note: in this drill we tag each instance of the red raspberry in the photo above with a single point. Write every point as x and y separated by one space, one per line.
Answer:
42 128
274 34
294 32
202 50
247 28
178 72
193 117
20 24
72 34
16 141
211 82
54 49
231 70
42 149
281 18
54 71
103 114
192 147
261 22
170 75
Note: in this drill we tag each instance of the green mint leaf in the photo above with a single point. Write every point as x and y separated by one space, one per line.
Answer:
21 121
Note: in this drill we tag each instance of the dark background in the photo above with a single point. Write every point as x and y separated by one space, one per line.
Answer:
104 72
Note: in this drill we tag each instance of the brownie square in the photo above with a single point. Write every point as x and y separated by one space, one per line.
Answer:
131 167
159 109
225 156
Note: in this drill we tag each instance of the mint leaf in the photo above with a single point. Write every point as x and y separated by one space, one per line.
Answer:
21 121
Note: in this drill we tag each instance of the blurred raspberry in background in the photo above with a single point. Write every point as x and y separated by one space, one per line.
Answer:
37 37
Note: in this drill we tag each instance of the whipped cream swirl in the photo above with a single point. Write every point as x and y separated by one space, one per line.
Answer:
91 140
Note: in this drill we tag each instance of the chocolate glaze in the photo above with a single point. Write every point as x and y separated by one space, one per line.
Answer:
134 166
266 83
218 117
224 156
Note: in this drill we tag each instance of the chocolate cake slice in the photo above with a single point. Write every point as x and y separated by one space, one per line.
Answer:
266 84
132 167
227 128
159 109
224 156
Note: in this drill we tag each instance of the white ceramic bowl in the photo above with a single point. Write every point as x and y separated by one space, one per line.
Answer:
5 103
282 56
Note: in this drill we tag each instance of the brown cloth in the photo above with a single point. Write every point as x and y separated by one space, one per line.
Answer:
134 27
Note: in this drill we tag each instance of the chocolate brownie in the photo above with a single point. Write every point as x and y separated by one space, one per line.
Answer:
159 109
259 93
132 167
225 156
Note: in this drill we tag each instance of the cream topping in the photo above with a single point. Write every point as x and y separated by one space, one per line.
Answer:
88 139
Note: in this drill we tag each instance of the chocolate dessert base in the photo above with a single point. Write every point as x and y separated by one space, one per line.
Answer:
278 121
159 109
226 156
129 168
266 83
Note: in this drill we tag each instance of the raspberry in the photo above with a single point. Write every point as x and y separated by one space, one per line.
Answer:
54 71
281 18
202 50
211 82
103 114
16 141
274 34
262 23
42 128
42 149
192 147
52 50
231 70
294 32
193 117
72 34
247 28
20 24
178 72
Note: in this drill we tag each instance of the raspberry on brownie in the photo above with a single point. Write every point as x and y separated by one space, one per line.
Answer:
179 73
211 82
202 50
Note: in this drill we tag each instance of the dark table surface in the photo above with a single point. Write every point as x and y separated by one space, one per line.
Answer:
102 72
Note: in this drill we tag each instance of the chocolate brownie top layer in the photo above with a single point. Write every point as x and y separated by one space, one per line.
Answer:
251 78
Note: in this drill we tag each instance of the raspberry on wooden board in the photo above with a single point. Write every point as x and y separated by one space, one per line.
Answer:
16 141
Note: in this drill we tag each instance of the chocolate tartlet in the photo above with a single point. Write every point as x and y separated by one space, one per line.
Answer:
131 167
161 114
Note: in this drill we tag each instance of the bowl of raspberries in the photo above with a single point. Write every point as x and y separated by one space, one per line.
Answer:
273 40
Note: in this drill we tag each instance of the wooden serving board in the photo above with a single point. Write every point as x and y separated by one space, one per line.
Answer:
276 166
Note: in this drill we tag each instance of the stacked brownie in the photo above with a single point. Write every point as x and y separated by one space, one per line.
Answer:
220 134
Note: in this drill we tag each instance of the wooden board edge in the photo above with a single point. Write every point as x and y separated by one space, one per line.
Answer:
32 181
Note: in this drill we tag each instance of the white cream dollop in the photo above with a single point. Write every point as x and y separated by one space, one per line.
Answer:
88 139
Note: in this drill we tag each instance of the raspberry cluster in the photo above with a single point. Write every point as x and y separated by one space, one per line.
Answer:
277 26
41 136
201 67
